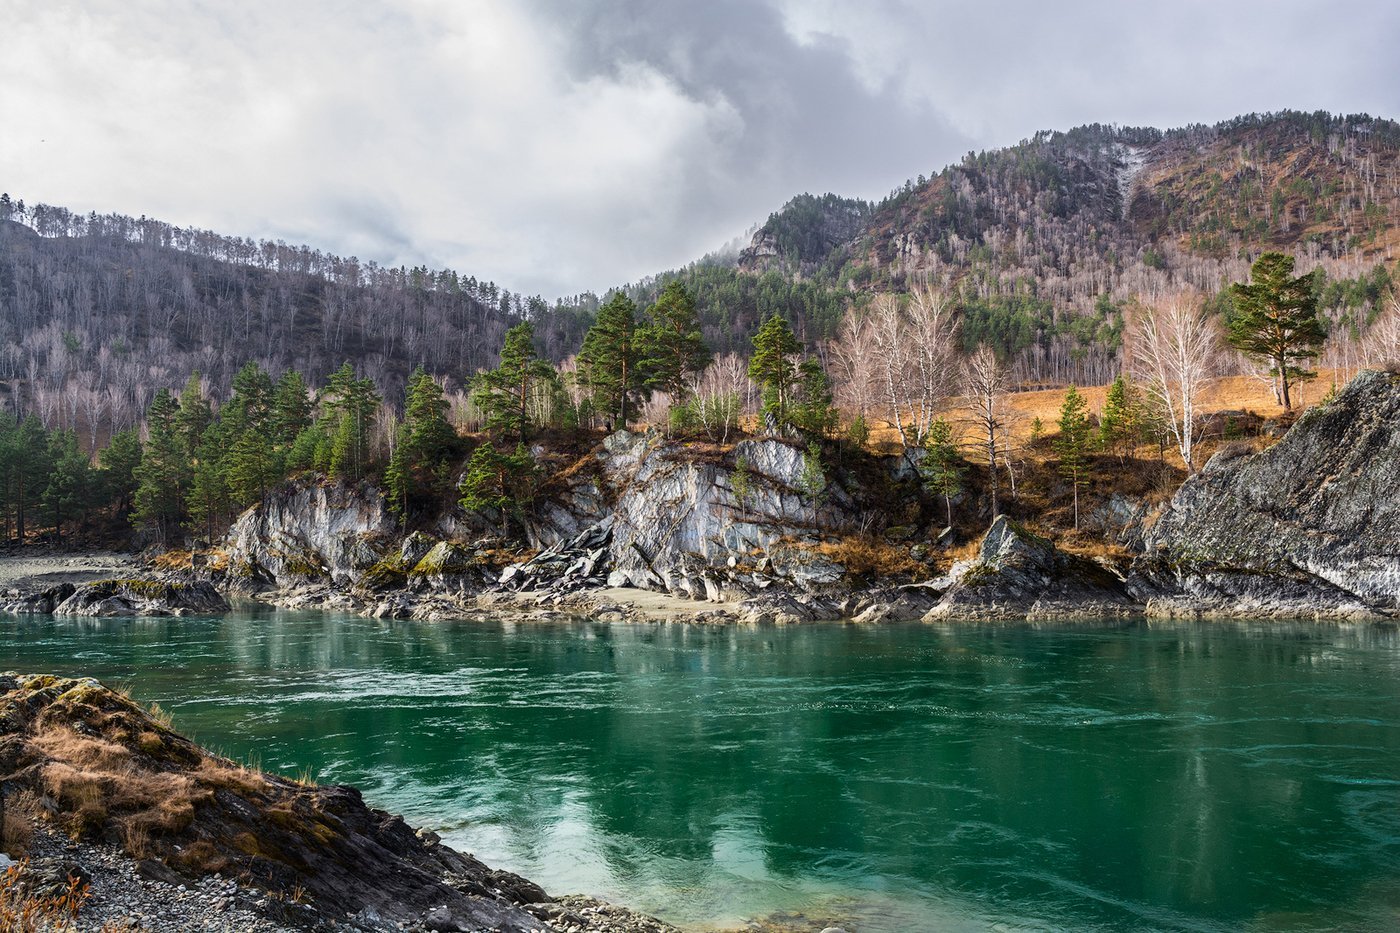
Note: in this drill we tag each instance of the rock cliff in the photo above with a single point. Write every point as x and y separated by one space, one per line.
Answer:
1309 528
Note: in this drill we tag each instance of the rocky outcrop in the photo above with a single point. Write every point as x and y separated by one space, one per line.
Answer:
695 523
301 535
108 771
21 602
1309 528
1019 575
137 597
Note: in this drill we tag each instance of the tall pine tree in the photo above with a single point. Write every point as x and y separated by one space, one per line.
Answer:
609 360
504 394
1276 321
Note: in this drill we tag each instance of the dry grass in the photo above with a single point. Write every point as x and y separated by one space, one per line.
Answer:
24 910
174 560
867 555
17 833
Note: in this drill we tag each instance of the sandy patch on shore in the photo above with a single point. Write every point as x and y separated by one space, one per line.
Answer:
42 571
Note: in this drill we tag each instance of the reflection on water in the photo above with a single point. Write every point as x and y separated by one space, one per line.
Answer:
1184 776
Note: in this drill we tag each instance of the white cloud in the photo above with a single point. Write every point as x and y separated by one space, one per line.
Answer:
562 146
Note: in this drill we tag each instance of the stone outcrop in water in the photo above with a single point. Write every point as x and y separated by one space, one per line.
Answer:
139 597
1307 528
1018 575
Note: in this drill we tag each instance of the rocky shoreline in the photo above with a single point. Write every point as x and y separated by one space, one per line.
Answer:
648 528
161 834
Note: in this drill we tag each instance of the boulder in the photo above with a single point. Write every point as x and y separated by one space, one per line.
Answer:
1309 528
143 598
1020 575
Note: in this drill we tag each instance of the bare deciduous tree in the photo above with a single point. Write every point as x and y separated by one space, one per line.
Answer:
1381 345
915 362
985 382
1175 348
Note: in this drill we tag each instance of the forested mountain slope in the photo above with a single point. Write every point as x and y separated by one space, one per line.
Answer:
1041 246
101 311
1043 242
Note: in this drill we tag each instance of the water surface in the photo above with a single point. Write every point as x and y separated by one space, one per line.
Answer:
1197 777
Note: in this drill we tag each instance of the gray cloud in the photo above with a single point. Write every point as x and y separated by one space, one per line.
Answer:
557 146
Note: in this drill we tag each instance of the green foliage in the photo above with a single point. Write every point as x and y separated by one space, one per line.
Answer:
118 462
350 407
858 432
609 361
1121 424
1073 443
70 486
291 408
772 366
194 415
163 475
504 393
423 444
672 349
1277 320
498 482
741 483
941 467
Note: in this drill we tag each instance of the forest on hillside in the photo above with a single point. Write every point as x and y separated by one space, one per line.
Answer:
1043 250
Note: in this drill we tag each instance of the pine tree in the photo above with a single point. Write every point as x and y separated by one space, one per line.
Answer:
1121 424
209 500
494 481
69 485
119 461
291 408
194 415
351 404
163 475
772 367
941 467
504 393
1276 321
672 348
29 465
608 361
422 442
811 411
1072 444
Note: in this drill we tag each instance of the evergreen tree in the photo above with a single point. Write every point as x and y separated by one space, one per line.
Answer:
609 360
1073 442
163 476
209 500
494 481
1121 423
503 394
423 442
672 348
941 467
772 367
1276 321
811 411
351 405
194 415
69 485
29 464
119 461
291 408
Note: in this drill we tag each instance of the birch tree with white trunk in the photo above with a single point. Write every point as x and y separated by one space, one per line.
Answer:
1174 348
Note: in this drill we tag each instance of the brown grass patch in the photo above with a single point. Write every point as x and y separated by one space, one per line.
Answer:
174 560
867 555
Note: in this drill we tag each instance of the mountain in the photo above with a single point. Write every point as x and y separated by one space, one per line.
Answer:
1041 246
102 310
1042 243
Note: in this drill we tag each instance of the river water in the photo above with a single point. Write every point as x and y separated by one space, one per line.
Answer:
1182 776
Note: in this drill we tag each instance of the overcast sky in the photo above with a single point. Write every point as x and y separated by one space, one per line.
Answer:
570 145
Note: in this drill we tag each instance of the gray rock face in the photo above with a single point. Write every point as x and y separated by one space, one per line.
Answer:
21 603
691 525
1308 528
142 598
306 534
1019 575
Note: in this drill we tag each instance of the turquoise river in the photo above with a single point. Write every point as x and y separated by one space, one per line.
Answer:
1178 776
